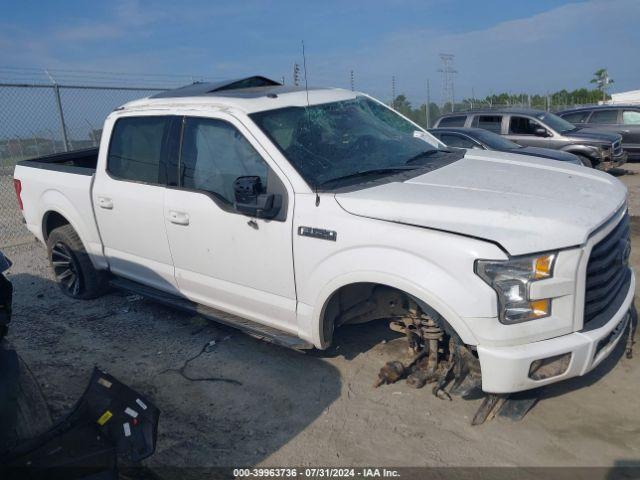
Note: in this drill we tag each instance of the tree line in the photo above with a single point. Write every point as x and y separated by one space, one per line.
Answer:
580 96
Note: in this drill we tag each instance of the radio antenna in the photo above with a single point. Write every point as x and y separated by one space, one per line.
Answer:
304 64
306 88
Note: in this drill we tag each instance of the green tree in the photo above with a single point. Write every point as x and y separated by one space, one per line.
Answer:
602 80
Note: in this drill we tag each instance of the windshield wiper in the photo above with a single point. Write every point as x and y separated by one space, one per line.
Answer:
425 154
364 173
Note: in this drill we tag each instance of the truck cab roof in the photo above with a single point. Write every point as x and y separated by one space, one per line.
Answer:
250 94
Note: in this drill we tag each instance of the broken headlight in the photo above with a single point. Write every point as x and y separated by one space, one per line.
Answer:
511 279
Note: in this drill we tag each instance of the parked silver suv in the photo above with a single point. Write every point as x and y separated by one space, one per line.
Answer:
537 128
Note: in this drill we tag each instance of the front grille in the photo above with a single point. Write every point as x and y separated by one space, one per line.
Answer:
617 148
608 273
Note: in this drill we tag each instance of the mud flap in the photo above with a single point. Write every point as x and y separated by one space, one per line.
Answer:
110 419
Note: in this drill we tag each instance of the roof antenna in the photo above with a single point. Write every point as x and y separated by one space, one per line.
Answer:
306 87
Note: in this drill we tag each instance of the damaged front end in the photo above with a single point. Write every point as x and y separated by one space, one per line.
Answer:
435 355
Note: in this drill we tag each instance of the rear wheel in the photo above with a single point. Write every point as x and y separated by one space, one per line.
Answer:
585 161
76 275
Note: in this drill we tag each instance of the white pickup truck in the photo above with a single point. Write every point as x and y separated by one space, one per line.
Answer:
289 212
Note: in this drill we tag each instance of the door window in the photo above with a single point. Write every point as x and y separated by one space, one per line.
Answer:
523 126
136 149
604 116
493 123
631 117
453 140
214 154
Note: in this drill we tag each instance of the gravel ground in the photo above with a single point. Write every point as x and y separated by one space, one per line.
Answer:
250 403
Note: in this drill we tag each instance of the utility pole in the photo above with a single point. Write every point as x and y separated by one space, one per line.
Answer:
428 106
448 73
352 81
473 97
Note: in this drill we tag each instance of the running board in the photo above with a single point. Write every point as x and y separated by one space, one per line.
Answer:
256 330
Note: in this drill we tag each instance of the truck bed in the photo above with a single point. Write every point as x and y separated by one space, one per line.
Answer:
81 162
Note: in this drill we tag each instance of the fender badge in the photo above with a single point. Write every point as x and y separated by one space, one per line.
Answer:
320 233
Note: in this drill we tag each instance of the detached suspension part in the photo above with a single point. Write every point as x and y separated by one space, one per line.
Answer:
436 357
439 357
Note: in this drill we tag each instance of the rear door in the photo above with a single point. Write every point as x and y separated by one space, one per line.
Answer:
605 119
128 200
491 122
222 258
631 131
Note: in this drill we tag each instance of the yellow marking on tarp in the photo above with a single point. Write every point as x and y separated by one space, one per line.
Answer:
106 416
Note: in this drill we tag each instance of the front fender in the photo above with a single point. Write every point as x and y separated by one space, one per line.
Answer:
449 291
585 150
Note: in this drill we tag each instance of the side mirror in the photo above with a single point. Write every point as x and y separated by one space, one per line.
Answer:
251 199
541 132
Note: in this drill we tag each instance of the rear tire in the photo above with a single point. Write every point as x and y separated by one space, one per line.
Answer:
75 274
585 161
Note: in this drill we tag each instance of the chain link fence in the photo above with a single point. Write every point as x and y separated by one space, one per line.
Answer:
41 119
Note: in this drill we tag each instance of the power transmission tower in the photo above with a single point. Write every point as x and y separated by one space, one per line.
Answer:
428 109
296 74
448 73
352 81
393 92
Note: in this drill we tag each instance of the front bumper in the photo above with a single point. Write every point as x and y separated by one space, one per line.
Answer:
615 162
506 369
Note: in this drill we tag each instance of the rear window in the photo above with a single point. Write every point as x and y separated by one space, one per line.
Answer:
453 140
604 116
455 121
493 123
136 149
576 117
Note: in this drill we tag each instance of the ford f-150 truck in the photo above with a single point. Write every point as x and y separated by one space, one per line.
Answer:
289 212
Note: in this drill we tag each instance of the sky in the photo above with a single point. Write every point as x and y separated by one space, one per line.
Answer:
515 46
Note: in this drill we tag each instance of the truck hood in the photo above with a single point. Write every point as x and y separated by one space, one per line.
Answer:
594 135
525 204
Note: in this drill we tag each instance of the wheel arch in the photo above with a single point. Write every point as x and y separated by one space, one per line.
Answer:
431 303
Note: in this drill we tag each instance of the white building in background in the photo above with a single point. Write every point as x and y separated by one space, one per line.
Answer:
632 96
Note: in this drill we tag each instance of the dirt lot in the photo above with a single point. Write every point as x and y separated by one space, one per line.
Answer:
258 404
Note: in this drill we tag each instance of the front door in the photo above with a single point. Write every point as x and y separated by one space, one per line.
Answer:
528 132
222 258
128 201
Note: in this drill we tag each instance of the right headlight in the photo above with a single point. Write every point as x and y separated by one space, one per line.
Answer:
511 279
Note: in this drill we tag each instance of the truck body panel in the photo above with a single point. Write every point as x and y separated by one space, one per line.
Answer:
422 234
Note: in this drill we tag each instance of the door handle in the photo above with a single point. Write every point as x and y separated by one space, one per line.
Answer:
178 218
106 203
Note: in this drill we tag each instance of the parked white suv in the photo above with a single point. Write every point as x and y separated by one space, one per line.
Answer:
289 213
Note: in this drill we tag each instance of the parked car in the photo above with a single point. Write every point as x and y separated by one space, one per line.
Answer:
537 128
288 213
478 138
622 119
